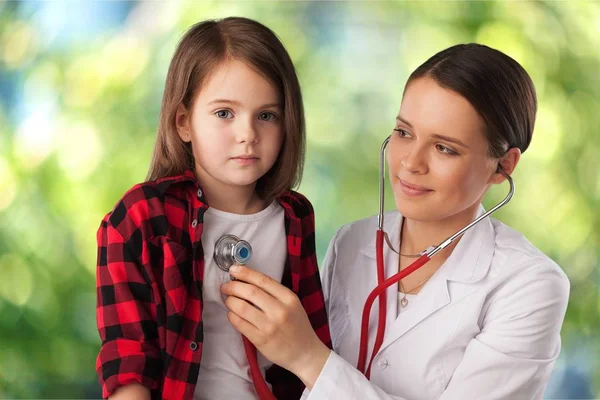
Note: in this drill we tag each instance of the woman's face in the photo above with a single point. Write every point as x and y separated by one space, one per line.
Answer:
438 155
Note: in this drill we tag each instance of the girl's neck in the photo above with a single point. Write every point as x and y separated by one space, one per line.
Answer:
416 236
235 200
231 198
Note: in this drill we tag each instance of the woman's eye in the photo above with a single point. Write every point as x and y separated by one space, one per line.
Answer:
267 116
224 114
402 133
446 150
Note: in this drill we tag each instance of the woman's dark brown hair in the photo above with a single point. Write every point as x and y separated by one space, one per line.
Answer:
205 46
496 86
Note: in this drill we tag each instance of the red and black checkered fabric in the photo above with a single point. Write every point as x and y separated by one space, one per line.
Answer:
149 287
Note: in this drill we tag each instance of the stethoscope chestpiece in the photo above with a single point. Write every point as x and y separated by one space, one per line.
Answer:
229 250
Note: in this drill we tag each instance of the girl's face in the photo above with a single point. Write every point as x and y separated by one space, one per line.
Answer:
438 155
235 126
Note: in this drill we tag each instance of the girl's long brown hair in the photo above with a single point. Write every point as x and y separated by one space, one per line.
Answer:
205 46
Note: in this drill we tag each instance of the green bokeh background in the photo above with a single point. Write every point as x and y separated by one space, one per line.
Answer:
80 91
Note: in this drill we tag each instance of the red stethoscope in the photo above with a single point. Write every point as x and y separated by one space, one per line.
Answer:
383 283
229 250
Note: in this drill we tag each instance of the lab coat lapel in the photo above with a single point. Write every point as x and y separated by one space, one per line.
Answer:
435 295
468 264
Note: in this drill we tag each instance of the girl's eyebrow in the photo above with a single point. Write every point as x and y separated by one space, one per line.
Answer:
237 103
436 135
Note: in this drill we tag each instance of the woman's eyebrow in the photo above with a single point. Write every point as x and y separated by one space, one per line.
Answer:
400 119
450 139
437 135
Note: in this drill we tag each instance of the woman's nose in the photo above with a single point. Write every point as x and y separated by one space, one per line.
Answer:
414 160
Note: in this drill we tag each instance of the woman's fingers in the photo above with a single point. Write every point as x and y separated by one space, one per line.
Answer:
250 293
244 327
265 282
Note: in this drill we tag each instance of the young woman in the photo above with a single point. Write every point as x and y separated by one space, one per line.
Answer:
482 319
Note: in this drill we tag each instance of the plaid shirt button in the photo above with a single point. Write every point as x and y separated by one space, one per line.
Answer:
194 223
199 193
193 346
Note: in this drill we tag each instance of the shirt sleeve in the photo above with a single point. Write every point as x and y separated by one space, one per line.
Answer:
125 316
311 291
286 385
340 380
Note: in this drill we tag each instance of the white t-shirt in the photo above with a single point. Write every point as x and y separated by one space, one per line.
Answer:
224 369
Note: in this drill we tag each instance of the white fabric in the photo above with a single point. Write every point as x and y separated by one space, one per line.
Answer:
486 325
224 370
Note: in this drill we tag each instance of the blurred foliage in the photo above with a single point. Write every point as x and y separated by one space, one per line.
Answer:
80 91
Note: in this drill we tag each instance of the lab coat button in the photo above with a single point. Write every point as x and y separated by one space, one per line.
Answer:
383 362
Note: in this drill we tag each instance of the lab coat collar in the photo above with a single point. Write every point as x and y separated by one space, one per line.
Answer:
468 263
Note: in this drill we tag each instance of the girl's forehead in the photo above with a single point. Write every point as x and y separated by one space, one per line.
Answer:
236 80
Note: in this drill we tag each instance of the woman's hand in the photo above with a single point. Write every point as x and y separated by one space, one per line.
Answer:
277 323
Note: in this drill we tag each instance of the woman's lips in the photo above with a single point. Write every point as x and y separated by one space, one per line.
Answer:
412 190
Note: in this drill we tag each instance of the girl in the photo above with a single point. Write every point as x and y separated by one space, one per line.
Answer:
231 135
482 319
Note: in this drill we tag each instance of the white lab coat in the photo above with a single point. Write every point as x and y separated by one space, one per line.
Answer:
485 326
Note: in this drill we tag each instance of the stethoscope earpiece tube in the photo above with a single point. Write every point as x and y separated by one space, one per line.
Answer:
377 292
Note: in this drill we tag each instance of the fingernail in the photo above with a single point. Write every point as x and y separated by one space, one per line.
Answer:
223 287
235 268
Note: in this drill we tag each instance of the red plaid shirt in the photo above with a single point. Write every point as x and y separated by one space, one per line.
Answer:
149 287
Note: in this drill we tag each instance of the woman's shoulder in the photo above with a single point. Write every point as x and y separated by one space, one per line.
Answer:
518 260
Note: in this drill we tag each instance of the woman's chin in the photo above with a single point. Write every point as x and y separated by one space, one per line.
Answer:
424 211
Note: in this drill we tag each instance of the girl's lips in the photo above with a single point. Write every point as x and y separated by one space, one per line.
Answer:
410 189
245 160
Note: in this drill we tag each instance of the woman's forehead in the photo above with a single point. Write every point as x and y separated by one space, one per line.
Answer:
429 108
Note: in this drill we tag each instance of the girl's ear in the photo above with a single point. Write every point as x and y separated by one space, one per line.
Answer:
183 124
507 163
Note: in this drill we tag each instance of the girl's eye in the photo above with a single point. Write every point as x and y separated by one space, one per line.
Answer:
267 116
224 114
402 133
445 150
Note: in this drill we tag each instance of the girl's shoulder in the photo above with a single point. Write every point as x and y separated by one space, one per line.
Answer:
297 203
144 204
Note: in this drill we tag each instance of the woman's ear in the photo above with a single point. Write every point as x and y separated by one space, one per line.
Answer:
507 163
182 123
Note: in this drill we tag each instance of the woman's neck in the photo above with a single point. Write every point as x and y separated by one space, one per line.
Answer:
416 236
